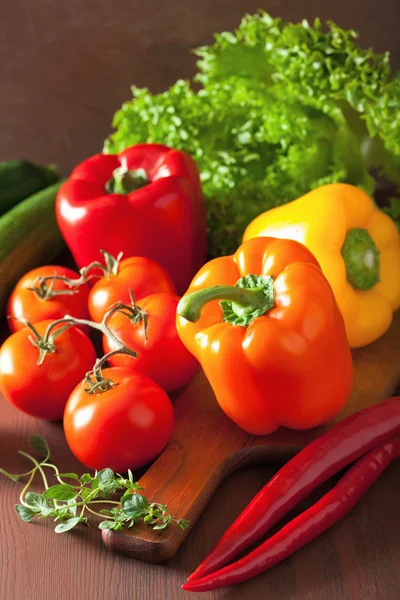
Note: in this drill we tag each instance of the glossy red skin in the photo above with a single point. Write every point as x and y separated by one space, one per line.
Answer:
25 303
123 428
43 390
141 275
164 358
311 467
304 528
164 220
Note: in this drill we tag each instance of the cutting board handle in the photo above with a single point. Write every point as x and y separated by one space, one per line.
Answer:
187 473
186 483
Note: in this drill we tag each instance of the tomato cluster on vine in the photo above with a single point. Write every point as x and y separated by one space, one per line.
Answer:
119 417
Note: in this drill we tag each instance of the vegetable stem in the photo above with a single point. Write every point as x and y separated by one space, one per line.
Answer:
251 297
361 258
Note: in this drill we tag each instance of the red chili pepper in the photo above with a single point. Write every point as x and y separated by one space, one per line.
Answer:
332 507
147 201
316 463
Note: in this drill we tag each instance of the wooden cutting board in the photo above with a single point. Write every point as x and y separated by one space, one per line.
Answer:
206 446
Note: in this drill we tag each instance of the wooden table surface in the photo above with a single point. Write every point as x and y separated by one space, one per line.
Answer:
358 559
65 67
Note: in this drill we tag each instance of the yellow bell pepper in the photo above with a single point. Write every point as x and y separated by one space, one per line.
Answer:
357 246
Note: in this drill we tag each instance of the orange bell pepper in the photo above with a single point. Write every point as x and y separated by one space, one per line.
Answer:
265 326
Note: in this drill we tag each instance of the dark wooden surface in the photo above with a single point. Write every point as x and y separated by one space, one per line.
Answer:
358 559
65 67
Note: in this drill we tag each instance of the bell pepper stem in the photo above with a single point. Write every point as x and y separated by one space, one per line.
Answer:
361 257
251 297
190 306
124 181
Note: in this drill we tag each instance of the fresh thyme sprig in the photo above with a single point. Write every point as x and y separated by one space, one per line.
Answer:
70 503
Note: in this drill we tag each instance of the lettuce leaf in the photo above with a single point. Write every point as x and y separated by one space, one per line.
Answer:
282 108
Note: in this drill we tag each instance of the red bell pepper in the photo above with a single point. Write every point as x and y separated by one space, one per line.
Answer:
146 201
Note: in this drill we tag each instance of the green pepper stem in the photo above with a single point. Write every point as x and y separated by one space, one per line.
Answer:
251 297
190 306
361 258
124 181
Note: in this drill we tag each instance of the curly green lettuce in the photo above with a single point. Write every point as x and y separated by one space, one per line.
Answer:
282 108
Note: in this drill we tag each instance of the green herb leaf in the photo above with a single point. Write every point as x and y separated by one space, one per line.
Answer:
35 501
67 525
106 476
72 506
128 492
120 517
25 513
95 482
63 501
70 476
61 491
150 519
86 478
132 504
162 526
107 525
85 493
38 443
183 524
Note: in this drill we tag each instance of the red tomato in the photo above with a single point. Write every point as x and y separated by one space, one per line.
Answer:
141 275
122 428
43 390
164 358
25 303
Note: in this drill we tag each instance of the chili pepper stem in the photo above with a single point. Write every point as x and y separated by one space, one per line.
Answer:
251 297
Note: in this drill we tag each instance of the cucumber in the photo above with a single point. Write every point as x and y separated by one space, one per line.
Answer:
19 179
29 237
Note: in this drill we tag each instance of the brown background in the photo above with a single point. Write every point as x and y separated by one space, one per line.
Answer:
65 67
